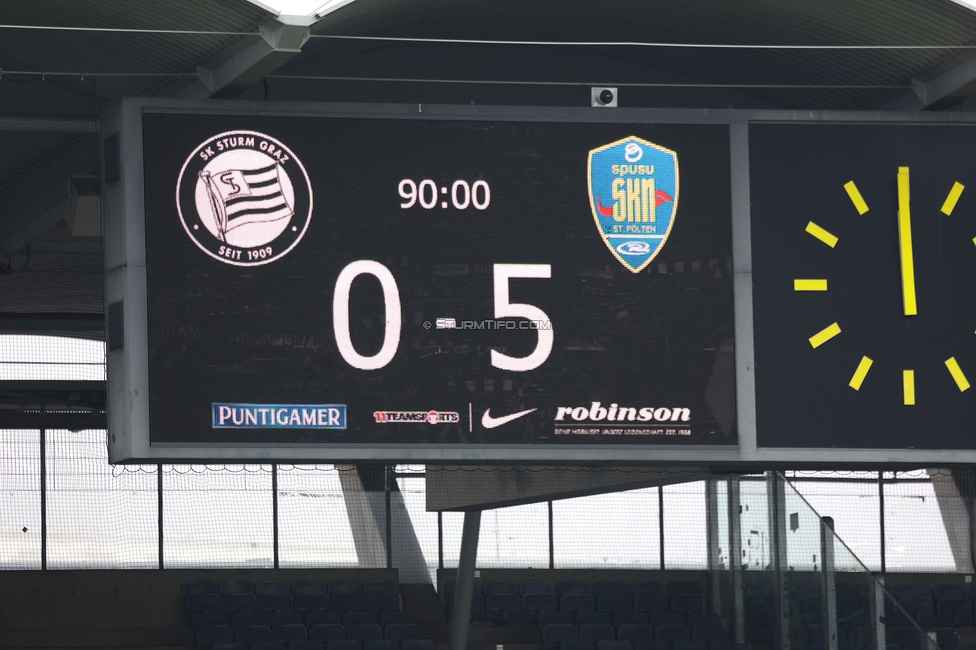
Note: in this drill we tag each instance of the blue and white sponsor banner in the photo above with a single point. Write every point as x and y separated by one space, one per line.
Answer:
634 197
278 416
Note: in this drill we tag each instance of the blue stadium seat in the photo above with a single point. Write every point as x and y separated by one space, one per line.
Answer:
201 603
343 644
306 645
252 633
955 608
451 585
284 618
666 618
214 634
239 603
309 594
379 587
418 644
389 618
689 645
242 618
912 590
708 633
271 587
268 645
477 606
596 632
383 602
684 587
564 587
908 638
703 618
322 617
554 618
634 632
687 603
932 621
944 636
227 587
380 644
274 602
499 587
577 644
347 602
196 619
326 632
503 608
592 618
358 618
364 631
609 587
608 644
952 591
650 603
576 603
616 602
229 645
291 632
671 633
629 618
916 605
401 631
536 587
344 587
553 634
649 644
198 587
535 603
646 588
726 645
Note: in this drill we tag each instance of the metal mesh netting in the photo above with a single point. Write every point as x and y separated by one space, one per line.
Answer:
20 499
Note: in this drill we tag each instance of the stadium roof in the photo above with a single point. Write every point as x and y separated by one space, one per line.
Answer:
62 61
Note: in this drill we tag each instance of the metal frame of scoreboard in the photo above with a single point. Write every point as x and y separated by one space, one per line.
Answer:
125 264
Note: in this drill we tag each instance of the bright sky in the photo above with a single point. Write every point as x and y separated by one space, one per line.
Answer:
299 7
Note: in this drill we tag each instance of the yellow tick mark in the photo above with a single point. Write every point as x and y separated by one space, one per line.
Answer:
957 374
825 236
809 285
856 197
954 194
824 335
860 373
908 381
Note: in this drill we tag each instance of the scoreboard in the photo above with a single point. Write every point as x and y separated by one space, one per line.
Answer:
452 284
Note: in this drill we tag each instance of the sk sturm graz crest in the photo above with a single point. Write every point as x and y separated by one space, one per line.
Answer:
244 198
634 198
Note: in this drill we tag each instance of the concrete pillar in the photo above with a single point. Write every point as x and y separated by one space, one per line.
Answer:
464 585
827 586
735 561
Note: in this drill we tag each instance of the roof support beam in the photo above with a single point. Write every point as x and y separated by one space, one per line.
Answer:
926 94
281 40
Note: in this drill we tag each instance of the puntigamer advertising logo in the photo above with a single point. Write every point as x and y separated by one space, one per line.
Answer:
244 198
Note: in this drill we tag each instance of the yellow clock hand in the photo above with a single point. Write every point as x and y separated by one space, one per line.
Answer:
905 244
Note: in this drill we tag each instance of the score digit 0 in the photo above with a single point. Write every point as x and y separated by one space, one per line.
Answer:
391 298
476 194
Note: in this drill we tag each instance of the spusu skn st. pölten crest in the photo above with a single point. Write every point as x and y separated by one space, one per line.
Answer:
633 187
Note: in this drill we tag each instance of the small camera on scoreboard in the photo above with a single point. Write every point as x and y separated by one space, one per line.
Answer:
603 97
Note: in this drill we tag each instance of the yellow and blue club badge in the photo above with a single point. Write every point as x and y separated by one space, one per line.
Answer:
634 198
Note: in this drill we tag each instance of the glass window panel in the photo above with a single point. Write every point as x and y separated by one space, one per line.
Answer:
754 523
98 516
685 526
855 509
515 537
313 524
217 516
618 530
51 357
915 531
20 499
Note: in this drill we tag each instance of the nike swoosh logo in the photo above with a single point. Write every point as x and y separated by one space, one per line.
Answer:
489 422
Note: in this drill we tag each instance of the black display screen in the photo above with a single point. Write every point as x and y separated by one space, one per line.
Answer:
371 281
863 267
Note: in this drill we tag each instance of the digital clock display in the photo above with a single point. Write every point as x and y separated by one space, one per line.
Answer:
407 281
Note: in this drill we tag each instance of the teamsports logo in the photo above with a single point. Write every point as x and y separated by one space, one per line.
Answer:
244 198
419 417
633 187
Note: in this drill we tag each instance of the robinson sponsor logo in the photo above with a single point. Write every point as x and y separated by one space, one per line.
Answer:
418 417
616 413
278 416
